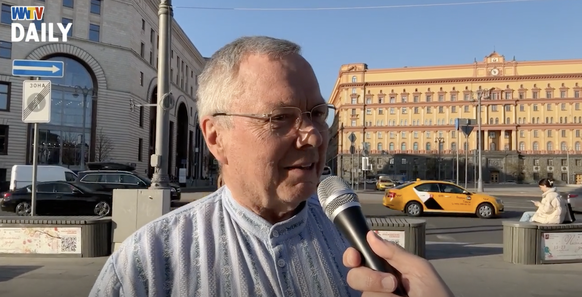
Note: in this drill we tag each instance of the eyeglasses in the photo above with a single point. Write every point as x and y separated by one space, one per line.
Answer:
285 120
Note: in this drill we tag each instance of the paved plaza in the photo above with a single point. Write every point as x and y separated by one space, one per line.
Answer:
470 270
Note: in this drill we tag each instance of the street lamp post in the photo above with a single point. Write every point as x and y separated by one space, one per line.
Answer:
439 141
85 92
480 95
160 160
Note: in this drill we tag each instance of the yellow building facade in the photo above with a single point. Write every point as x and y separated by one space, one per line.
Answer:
404 119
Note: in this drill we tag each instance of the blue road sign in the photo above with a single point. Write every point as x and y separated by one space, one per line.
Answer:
38 68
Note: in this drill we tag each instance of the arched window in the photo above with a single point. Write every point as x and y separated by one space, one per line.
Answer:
428 146
391 146
549 146
354 79
577 146
496 121
70 129
403 146
563 146
535 146
379 147
415 146
522 146
453 146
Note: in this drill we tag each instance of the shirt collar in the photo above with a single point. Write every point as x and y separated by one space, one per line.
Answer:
259 227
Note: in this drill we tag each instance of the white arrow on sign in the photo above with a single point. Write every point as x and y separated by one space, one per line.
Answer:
50 68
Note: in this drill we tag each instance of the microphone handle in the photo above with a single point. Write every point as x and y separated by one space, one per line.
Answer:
353 225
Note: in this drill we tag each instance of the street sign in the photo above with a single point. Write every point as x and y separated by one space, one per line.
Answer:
38 68
352 137
36 101
467 130
365 163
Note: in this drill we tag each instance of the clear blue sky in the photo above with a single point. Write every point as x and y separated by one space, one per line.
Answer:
394 37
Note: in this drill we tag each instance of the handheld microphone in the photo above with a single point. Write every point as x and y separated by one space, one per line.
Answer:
342 207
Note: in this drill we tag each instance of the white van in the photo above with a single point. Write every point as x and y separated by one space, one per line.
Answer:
21 175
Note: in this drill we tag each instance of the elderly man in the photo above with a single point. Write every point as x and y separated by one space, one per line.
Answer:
263 233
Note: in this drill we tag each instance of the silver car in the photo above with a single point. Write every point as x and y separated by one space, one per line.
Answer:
575 199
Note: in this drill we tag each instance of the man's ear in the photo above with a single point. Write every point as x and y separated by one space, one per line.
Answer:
214 136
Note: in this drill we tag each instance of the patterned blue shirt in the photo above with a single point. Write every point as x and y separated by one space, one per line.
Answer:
216 247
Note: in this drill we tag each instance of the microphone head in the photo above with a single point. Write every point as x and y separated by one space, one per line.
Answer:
333 193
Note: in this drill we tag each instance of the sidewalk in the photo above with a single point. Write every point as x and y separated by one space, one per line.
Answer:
470 271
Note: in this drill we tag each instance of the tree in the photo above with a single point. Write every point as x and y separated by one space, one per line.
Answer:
103 146
515 167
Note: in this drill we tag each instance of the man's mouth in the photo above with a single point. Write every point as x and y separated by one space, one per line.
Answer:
302 166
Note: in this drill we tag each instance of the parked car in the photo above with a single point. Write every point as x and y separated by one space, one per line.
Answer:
58 197
112 176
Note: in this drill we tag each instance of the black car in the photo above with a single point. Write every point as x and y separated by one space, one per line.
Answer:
58 197
110 176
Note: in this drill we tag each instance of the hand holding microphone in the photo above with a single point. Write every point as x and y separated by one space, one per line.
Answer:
377 266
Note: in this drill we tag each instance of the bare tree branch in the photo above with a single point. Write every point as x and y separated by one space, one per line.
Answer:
103 146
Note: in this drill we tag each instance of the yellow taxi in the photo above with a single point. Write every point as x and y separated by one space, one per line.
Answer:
384 183
420 196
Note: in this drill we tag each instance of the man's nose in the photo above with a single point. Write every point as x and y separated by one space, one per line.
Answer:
308 135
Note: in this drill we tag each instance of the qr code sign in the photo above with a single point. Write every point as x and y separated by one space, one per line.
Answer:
69 244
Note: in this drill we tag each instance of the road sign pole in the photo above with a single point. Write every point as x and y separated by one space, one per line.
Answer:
457 169
34 168
466 160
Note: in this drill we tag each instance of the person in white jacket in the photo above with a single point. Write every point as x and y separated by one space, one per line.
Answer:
551 210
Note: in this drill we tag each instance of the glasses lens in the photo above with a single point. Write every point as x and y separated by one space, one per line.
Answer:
285 119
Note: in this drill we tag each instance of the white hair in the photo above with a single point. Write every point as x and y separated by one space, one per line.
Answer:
218 83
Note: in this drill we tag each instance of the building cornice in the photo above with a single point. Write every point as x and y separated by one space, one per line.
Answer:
494 79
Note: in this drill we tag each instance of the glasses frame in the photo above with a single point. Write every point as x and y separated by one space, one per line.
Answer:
268 117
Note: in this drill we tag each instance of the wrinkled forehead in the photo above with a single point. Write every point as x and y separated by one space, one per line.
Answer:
273 82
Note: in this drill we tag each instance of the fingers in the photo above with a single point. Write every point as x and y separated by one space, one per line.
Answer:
384 249
351 258
367 280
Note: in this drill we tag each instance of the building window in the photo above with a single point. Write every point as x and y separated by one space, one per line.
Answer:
4 96
6 17
141 114
152 35
3 139
68 3
66 22
96 6
139 149
576 94
5 49
141 78
142 24
94 31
